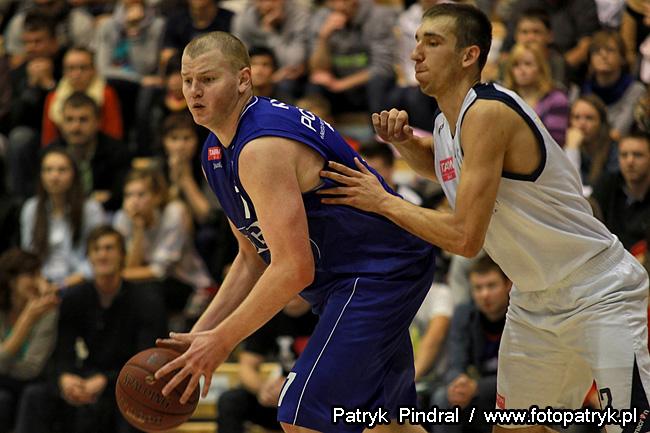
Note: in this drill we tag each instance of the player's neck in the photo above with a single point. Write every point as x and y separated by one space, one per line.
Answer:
450 100
227 128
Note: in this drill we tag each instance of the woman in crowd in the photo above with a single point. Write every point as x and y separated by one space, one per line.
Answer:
28 323
55 223
529 74
160 243
589 142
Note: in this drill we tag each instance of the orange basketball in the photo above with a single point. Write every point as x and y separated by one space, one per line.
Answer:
139 395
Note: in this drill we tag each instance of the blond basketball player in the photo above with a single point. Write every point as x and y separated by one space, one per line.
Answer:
578 305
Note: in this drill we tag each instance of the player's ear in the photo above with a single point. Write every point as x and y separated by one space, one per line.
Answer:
245 78
471 55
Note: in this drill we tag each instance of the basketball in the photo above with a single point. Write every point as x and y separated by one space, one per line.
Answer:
139 395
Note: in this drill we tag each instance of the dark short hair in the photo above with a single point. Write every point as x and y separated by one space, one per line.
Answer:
36 21
176 121
263 51
378 149
81 99
484 265
636 134
471 26
536 14
82 49
13 263
105 230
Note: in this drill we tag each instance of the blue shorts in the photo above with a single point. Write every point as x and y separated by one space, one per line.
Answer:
359 356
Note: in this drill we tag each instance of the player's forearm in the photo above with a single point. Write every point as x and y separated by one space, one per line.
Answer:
199 205
443 229
275 288
418 154
243 274
355 80
430 345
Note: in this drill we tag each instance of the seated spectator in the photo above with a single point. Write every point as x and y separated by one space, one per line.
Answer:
381 157
27 328
611 82
635 29
197 18
533 26
263 67
407 94
74 26
623 197
528 74
102 160
128 55
589 144
102 323
5 102
572 22
610 13
55 223
474 340
160 245
166 101
280 340
30 83
282 26
79 75
352 58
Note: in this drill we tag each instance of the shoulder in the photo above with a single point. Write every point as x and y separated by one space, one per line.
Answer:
29 208
174 211
490 114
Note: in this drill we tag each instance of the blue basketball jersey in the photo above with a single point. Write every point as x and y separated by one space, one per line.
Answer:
346 242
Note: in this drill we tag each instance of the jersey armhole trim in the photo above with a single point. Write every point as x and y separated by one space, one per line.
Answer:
506 99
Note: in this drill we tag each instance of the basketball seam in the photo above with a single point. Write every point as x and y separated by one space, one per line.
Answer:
354 288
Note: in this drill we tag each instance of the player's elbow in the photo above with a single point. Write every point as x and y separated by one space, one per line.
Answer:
305 273
471 246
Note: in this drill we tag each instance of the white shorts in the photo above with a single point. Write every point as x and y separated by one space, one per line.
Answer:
591 326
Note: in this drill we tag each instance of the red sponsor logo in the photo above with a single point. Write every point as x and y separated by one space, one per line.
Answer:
214 153
501 401
447 169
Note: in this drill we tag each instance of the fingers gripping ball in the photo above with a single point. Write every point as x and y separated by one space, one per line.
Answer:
139 395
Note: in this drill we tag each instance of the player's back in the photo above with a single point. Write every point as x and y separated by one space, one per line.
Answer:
346 242
542 228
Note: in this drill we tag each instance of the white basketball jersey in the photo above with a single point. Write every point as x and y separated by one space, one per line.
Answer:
542 228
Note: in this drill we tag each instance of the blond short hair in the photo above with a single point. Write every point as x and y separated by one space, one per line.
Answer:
231 48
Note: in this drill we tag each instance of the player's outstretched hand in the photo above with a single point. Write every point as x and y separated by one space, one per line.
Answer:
205 353
392 126
361 189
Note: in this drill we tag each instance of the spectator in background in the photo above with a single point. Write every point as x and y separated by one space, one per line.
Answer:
528 73
74 26
283 27
128 50
623 197
55 223
102 324
5 102
30 83
28 317
263 67
635 29
200 16
280 340
160 245
102 160
534 27
572 23
352 58
407 94
168 100
321 107
79 75
474 340
381 157
589 144
610 81
610 13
